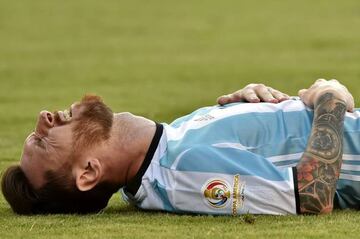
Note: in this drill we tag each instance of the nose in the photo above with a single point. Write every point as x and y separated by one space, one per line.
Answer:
45 122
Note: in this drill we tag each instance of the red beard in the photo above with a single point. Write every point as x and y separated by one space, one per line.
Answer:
94 124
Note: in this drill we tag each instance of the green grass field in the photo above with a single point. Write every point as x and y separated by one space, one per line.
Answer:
163 59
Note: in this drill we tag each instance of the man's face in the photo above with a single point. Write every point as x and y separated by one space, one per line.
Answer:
59 136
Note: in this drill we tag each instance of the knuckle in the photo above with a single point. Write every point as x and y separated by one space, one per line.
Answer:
247 91
250 93
251 85
267 96
260 87
276 92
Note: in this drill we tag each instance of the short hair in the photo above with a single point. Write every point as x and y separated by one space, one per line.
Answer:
58 195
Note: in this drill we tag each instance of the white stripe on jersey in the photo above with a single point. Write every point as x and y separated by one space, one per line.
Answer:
354 115
351 157
280 158
350 167
232 145
350 177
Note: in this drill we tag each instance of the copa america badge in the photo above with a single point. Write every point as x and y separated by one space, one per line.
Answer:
217 193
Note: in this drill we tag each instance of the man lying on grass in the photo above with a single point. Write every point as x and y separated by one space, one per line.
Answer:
232 158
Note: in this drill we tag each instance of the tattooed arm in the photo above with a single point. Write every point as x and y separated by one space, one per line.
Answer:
319 167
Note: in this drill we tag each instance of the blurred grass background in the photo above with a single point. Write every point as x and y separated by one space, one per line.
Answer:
163 59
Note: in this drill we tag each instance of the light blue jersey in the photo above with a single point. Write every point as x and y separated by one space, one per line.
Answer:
239 158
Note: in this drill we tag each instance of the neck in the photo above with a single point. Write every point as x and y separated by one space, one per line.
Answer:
129 142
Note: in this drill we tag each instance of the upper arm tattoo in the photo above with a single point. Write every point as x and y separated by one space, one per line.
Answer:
319 167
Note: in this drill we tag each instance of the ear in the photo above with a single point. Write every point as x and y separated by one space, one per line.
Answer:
88 174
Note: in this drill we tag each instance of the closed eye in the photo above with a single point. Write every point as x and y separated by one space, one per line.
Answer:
39 142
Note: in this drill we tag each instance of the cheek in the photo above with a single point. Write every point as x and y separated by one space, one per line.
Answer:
34 168
61 138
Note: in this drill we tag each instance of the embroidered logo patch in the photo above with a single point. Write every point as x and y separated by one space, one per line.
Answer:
217 193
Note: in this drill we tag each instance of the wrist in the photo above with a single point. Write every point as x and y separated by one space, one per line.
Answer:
329 94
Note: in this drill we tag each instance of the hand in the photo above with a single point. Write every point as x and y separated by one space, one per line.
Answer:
254 93
320 87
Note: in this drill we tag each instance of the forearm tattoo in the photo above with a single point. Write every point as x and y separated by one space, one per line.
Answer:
319 167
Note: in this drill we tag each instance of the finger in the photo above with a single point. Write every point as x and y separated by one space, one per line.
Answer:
305 97
278 95
250 96
236 96
285 97
301 93
351 104
337 83
350 108
320 80
231 98
264 94
222 100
